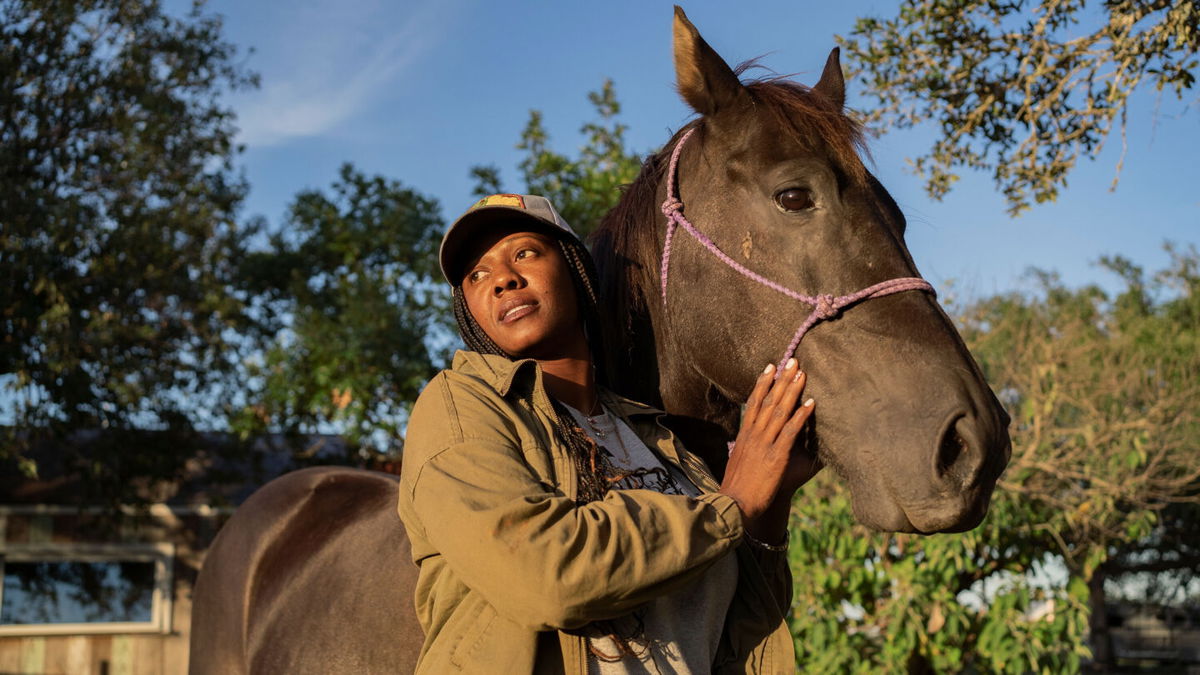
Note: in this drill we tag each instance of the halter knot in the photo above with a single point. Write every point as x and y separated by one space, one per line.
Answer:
672 204
825 308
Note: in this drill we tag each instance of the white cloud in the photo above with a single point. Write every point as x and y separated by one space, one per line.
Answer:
322 64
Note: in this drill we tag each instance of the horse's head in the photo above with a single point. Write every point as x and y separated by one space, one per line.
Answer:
773 176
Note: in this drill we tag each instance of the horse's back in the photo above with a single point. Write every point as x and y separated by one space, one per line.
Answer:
312 574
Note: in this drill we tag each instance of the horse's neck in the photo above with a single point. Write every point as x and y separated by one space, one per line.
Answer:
650 368
635 372
703 416
705 437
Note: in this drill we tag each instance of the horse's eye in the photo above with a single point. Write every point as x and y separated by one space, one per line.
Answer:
794 199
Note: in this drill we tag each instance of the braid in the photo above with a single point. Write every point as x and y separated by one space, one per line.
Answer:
583 276
594 473
584 271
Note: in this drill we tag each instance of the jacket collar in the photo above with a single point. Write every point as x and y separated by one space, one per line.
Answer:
497 371
502 375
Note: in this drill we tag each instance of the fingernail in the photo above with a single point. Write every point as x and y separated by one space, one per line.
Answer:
769 368
791 363
809 403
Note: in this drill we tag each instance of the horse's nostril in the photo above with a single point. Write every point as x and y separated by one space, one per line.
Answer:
952 453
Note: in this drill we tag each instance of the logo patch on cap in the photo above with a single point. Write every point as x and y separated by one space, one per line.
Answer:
500 200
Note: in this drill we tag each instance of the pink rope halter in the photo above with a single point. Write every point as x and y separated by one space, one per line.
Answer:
824 306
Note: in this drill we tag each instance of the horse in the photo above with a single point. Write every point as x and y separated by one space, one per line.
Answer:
771 171
313 572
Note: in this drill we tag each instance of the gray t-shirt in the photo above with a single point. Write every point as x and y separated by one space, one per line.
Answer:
677 632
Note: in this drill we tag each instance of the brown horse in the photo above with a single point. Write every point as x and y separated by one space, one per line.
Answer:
313 573
771 175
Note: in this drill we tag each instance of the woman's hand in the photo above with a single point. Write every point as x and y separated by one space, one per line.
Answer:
765 464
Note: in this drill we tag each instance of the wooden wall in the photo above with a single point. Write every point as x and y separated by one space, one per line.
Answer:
150 654
190 530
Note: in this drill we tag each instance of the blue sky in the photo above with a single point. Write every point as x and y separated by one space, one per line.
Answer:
420 91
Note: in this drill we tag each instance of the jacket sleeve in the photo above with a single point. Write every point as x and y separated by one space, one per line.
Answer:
777 573
546 562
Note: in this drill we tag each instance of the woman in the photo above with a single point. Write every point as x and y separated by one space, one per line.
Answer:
561 528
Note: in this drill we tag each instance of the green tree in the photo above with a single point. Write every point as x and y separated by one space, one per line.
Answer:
1021 89
355 312
1105 431
583 189
118 238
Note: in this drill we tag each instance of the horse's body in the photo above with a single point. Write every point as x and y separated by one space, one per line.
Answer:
313 573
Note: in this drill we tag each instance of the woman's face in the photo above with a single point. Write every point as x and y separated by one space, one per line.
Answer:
519 291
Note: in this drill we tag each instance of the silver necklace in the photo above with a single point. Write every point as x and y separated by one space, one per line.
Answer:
593 419
593 422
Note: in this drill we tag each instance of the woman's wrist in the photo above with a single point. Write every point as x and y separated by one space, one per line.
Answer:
771 526
749 514
767 546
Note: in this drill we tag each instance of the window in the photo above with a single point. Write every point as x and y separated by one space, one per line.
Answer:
74 589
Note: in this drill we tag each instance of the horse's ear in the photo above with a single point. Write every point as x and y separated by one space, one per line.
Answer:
832 84
705 81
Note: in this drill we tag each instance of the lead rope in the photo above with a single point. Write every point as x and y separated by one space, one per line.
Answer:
824 306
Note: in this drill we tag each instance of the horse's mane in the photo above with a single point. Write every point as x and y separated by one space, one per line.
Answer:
625 244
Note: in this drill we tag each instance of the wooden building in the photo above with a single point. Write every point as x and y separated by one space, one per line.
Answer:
90 590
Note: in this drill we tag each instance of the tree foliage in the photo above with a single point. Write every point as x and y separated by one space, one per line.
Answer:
866 603
1021 89
1103 395
136 308
118 198
355 311
583 189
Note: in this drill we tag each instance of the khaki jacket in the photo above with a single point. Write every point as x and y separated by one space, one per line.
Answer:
510 565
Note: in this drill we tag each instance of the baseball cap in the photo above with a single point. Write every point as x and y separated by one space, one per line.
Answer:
535 211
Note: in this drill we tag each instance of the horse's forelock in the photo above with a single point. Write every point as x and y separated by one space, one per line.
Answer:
813 121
